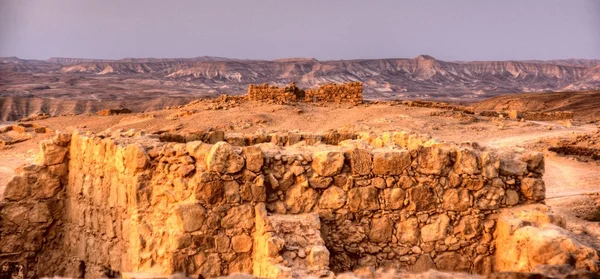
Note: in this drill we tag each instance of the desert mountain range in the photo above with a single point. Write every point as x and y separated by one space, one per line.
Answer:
73 85
423 76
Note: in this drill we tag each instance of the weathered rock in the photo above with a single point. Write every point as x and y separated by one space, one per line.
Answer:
223 159
407 231
457 200
328 163
467 162
437 230
210 189
254 158
452 262
434 159
16 189
423 264
316 181
491 164
510 165
361 162
241 243
422 198
241 217
468 227
332 198
318 256
191 216
381 230
363 198
526 238
300 198
393 198
390 162
51 153
45 187
534 160
533 189
489 197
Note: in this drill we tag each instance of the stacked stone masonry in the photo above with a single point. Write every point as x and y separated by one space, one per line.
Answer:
96 204
337 93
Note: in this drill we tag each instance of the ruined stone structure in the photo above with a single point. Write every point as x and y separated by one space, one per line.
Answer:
277 206
338 93
530 115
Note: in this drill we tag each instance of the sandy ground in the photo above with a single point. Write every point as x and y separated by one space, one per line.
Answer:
566 179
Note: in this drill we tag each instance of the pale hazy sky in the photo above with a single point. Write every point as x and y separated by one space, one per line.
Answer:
323 29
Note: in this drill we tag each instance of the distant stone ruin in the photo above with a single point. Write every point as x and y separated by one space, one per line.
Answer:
336 93
273 205
530 115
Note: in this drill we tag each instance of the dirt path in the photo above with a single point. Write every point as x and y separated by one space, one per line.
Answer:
564 176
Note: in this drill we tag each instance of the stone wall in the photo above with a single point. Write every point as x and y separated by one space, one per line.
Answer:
267 93
31 213
338 93
133 203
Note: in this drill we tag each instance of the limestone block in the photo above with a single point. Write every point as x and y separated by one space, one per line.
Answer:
241 217
510 165
40 213
491 164
332 198
533 189
451 261
318 256
434 159
223 159
467 161
407 231
437 230
241 243
512 197
328 163
390 162
199 151
300 198
534 160
45 187
468 227
363 198
381 230
422 198
423 264
526 238
393 199
361 161
209 189
16 189
136 158
317 181
489 197
254 158
191 216
241 264
457 200
51 153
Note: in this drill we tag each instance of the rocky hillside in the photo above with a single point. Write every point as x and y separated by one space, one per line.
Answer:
584 104
421 77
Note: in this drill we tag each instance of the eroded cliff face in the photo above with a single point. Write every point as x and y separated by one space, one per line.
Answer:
289 206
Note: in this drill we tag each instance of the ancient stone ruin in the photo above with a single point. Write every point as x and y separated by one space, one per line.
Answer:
276 206
337 93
